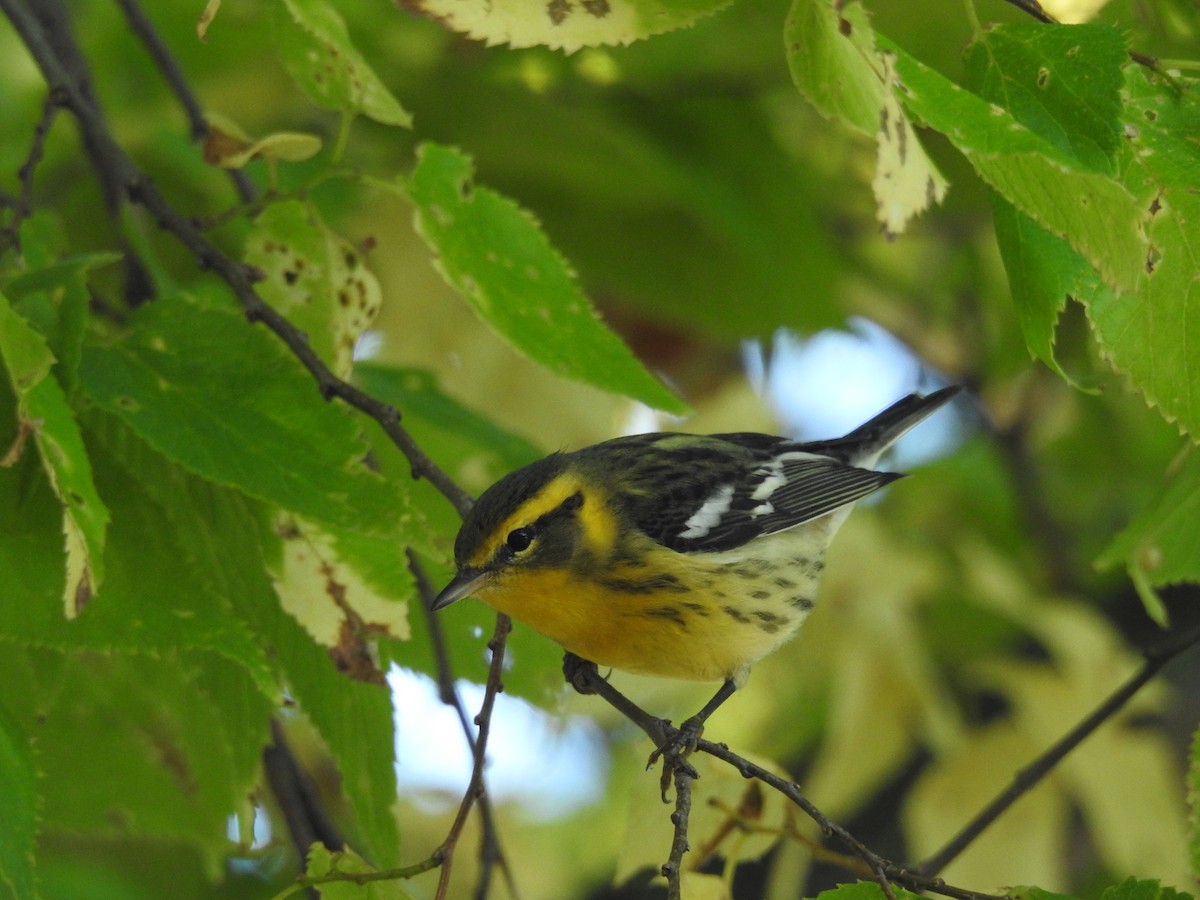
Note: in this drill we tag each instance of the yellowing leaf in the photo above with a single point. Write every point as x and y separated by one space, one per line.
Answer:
836 64
43 411
906 181
1027 844
316 278
227 146
565 24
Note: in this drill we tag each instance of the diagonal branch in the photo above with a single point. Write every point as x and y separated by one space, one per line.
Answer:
120 170
1029 776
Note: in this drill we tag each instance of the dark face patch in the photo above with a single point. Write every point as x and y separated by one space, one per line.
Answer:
498 501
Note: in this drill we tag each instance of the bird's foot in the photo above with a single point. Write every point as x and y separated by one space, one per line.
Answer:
579 673
675 748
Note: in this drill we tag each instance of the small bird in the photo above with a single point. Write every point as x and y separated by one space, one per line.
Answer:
677 555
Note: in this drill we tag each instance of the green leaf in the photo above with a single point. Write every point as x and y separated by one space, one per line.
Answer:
1152 332
836 64
54 300
18 811
26 356
1063 83
1099 216
566 26
315 278
1162 545
315 46
133 747
144 606
497 256
225 401
1148 889
43 411
227 555
1042 271
323 861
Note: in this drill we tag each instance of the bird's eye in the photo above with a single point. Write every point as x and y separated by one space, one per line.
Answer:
519 539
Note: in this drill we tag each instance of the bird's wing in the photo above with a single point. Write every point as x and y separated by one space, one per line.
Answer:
715 508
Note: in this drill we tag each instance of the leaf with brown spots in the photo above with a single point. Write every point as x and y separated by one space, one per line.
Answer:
564 24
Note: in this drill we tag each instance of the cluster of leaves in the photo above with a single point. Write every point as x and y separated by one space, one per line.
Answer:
193 542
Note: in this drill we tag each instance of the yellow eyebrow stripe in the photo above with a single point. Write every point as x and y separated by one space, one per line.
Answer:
597 521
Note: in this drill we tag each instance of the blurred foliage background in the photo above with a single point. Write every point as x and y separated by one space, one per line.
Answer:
717 221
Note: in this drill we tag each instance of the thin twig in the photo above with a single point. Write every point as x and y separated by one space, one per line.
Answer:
173 75
138 187
48 24
490 851
673 867
495 684
22 204
307 820
586 679
1029 776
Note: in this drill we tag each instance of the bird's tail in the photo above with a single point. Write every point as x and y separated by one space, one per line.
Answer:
863 445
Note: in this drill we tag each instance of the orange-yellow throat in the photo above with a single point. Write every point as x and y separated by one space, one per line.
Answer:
658 612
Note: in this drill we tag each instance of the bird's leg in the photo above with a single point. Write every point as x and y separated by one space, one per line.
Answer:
679 745
579 673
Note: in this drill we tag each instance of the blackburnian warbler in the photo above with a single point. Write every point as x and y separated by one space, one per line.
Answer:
678 555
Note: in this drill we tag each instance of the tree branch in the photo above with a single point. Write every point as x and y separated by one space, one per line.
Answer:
22 204
445 853
173 75
1029 776
118 168
490 851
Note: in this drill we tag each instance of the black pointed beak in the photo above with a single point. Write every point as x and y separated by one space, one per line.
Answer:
466 582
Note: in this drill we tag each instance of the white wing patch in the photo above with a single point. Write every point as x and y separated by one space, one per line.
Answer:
709 514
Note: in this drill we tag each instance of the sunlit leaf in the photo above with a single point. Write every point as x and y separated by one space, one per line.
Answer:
1099 216
226 401
497 256
1063 84
318 584
1152 332
906 181
837 66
